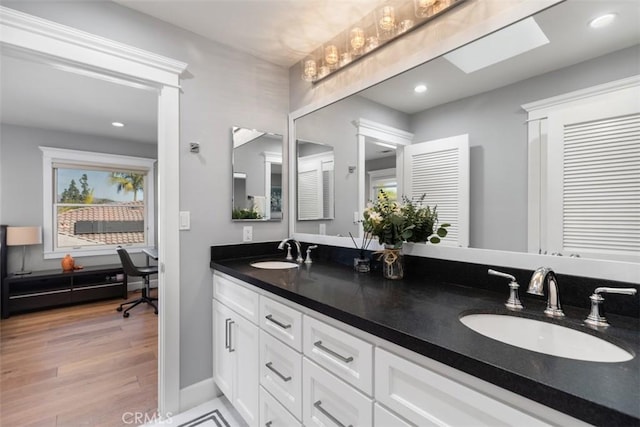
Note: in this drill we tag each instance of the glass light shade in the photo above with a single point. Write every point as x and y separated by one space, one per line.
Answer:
387 20
309 70
345 58
372 43
323 71
357 38
424 8
404 26
331 55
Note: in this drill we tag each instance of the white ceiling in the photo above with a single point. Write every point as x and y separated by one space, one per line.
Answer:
281 31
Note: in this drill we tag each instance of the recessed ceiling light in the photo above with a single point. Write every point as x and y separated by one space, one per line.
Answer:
602 21
117 124
420 88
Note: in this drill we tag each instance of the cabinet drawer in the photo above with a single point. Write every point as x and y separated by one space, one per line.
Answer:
281 321
427 398
243 301
327 401
344 355
281 373
385 418
273 414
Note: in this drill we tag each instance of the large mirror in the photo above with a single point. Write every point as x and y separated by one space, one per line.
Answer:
257 175
480 92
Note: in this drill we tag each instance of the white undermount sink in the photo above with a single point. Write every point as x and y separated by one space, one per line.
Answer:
274 265
545 337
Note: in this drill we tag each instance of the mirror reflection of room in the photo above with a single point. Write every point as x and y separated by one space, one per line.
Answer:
257 175
493 102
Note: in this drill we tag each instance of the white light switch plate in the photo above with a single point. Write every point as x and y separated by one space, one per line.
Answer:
185 220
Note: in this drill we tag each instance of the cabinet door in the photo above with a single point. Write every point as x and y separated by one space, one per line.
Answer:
222 358
231 293
281 373
328 401
243 344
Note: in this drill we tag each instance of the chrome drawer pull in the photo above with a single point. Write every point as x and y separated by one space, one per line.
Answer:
226 332
231 350
272 369
328 415
333 353
271 319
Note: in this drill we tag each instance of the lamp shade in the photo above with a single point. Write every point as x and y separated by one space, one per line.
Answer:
20 236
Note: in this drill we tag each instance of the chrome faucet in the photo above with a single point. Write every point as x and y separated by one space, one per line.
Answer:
513 303
299 259
536 287
594 318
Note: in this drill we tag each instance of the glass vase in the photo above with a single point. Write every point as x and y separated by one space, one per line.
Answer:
392 263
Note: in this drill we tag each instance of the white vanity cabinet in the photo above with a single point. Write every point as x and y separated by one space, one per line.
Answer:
235 346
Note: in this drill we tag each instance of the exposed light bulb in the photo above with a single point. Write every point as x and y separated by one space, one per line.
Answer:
331 55
387 18
357 38
309 70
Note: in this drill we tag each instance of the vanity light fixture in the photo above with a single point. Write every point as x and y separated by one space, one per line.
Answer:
380 26
117 124
421 88
602 20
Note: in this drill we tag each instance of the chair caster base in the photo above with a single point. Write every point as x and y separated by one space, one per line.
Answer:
125 314
119 309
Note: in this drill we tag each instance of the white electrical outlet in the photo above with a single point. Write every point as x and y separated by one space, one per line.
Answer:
247 233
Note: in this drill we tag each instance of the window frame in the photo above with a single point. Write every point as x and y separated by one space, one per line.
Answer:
86 159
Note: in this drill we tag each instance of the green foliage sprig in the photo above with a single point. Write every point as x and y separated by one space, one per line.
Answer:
394 223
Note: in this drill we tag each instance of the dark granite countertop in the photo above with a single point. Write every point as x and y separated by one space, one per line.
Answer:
422 315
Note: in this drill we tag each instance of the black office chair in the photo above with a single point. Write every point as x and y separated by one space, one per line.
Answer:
131 270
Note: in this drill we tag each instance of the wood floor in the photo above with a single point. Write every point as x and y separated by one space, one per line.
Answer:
78 366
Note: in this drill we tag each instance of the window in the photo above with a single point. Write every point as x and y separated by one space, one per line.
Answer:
383 180
94 202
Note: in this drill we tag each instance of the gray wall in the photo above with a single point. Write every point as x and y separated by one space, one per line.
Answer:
497 132
21 179
333 125
221 88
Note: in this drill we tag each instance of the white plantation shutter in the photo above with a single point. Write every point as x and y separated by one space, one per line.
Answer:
308 195
601 186
584 172
440 169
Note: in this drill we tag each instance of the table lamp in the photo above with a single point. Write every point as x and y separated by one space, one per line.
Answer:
23 236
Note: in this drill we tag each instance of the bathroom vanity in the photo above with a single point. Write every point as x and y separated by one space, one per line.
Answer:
319 344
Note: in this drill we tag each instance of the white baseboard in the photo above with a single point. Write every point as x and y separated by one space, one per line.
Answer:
198 393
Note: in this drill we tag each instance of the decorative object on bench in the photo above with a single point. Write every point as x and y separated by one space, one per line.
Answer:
69 264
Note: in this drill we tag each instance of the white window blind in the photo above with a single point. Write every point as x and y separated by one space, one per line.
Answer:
440 169
601 186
